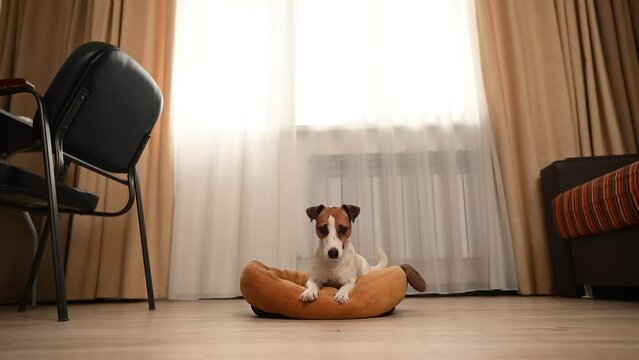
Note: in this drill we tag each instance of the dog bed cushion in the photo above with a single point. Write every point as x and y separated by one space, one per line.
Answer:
276 292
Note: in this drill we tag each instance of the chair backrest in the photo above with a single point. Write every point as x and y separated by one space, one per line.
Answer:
106 105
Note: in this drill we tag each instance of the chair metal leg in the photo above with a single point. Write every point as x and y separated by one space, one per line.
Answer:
34 243
69 232
68 245
35 266
58 271
54 219
145 248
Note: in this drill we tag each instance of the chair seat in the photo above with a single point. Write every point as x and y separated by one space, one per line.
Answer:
24 189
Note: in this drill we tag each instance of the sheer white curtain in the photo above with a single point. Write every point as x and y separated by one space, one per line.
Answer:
280 105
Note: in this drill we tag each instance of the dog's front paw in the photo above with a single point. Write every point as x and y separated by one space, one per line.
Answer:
341 298
309 295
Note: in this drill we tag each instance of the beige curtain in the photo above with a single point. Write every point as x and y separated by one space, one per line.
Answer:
562 79
105 255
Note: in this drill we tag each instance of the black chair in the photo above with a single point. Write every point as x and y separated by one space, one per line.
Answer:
98 113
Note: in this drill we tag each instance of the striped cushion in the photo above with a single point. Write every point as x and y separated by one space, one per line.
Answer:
608 202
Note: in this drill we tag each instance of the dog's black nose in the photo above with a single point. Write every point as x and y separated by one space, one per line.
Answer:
333 253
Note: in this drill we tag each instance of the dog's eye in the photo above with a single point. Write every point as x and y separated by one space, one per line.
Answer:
343 230
323 230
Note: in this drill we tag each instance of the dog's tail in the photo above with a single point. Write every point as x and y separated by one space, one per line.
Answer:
382 260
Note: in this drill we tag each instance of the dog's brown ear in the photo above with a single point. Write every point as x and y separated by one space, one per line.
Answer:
352 211
314 211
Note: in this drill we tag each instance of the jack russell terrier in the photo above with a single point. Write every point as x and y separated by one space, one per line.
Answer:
335 262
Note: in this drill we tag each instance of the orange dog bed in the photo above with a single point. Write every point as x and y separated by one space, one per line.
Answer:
274 292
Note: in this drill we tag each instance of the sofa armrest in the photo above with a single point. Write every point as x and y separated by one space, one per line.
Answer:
568 173
556 178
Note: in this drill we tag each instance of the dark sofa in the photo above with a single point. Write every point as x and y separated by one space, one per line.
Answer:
608 259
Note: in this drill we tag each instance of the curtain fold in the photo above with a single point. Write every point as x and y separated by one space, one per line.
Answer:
105 255
561 80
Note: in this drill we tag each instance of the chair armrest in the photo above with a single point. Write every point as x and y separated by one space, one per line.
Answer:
13 86
12 82
16 132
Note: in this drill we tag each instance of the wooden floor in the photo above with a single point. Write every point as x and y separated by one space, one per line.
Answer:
421 328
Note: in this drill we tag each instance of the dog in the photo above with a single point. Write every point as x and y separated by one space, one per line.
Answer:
335 261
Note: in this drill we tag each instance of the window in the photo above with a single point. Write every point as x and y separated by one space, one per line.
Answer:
254 65
396 62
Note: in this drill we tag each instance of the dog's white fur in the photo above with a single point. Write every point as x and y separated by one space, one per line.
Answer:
340 272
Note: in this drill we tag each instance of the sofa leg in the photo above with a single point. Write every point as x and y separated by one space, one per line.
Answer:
587 292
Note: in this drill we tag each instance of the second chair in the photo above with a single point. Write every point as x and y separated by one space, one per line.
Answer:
98 113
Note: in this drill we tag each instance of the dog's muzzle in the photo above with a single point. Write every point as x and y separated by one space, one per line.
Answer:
333 253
